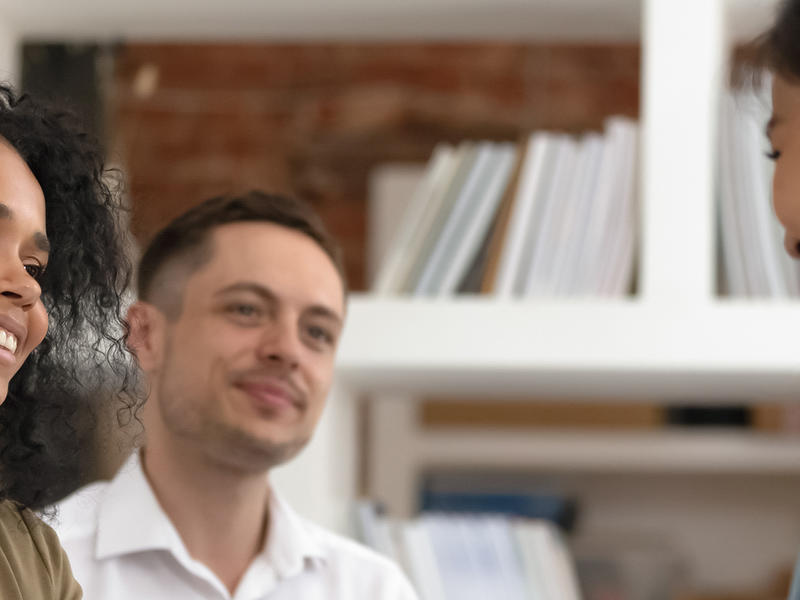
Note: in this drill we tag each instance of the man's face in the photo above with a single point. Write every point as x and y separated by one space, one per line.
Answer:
247 365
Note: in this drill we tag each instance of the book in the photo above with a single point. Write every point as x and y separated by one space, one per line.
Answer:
548 566
557 508
374 529
595 247
429 231
421 560
480 215
556 217
574 225
620 233
538 279
534 179
510 581
471 218
435 270
497 237
401 248
472 281
460 557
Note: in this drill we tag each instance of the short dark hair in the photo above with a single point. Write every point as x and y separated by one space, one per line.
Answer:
779 47
185 238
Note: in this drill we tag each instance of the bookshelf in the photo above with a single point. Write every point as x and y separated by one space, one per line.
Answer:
674 340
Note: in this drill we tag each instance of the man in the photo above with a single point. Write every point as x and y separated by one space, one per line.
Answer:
241 305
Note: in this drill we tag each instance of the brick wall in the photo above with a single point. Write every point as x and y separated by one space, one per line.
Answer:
192 121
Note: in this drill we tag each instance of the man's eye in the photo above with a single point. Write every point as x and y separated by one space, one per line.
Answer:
773 154
244 310
34 270
320 334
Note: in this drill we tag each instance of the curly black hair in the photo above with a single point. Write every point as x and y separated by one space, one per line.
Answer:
47 417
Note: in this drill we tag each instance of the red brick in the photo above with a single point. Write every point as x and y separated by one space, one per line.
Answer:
314 120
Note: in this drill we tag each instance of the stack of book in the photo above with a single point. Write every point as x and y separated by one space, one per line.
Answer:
554 216
452 556
754 261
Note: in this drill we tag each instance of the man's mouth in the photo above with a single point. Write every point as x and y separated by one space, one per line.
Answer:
268 395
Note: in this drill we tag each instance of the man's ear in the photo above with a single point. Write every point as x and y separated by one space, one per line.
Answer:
146 336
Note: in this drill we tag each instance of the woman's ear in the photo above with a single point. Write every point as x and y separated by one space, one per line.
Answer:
146 335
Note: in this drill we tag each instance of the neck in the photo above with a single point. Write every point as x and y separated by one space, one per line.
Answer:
222 515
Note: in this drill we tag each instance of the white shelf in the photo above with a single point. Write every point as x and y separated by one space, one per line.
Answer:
719 350
287 19
564 20
652 451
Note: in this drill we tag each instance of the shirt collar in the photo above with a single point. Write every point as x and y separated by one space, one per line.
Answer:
128 494
291 542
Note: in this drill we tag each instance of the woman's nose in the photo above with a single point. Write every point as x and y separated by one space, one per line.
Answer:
18 286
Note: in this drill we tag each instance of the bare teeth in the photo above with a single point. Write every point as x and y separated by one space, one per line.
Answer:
8 341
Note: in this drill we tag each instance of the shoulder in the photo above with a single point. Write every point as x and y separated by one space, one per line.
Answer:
20 529
32 554
375 572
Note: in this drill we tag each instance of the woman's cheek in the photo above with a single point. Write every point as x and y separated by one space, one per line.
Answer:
786 196
38 323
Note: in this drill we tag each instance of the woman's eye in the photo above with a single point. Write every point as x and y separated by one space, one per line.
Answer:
773 154
34 270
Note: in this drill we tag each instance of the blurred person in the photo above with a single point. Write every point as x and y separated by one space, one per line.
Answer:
241 306
60 255
780 50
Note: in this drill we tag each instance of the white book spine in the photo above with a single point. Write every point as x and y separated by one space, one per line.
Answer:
436 262
479 220
390 273
574 225
621 262
538 279
422 561
522 212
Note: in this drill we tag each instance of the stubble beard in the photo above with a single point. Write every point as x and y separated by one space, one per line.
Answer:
225 444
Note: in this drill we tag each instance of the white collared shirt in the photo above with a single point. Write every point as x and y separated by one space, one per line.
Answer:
123 546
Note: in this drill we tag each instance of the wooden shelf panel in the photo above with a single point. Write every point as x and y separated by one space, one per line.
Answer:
695 452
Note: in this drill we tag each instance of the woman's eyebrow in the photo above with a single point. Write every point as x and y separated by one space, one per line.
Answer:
41 241
39 238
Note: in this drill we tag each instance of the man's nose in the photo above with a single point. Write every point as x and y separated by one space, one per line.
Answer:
280 343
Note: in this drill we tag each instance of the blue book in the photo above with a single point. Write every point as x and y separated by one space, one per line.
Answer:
550 507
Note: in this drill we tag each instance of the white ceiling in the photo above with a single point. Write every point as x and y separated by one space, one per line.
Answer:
338 19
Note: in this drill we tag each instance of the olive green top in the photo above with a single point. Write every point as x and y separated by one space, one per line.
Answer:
33 566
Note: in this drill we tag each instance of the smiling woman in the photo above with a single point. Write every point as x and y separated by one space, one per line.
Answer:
60 255
781 50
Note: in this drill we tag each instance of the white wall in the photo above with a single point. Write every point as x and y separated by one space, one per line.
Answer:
9 53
